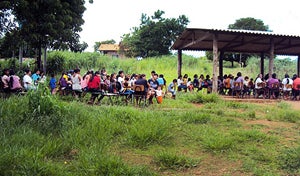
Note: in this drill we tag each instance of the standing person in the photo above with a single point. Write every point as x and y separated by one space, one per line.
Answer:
52 84
14 81
27 80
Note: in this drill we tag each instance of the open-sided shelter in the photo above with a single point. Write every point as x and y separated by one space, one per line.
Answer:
241 41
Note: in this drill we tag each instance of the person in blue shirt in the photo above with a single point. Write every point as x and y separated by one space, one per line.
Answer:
36 77
52 84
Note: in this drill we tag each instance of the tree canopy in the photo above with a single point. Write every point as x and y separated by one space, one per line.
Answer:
55 23
154 36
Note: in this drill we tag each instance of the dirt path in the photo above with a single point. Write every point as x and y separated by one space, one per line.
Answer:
294 104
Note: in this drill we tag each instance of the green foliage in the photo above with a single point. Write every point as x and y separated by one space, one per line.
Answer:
289 160
249 23
43 112
155 35
56 62
171 160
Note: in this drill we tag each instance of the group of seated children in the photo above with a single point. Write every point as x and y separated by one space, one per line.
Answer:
101 83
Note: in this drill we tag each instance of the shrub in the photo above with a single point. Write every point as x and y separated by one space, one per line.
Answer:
43 114
170 160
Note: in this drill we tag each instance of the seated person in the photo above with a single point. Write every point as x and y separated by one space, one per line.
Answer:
172 88
153 86
274 91
15 83
94 87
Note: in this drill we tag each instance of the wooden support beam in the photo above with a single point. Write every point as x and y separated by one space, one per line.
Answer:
179 63
271 61
262 63
221 63
298 65
215 64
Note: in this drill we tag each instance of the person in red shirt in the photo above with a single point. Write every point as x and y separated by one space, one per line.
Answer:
94 86
296 86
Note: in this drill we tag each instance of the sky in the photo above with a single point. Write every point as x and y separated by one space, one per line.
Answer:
110 19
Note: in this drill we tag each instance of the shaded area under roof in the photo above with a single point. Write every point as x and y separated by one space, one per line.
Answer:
243 41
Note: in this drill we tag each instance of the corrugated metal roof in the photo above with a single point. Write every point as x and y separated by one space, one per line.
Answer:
246 41
109 47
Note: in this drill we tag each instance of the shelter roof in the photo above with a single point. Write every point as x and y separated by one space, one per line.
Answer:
244 41
109 47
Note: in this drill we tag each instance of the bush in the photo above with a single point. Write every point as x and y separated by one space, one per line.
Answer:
44 114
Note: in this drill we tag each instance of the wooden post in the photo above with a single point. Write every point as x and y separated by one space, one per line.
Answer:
262 63
45 60
215 64
221 63
20 56
271 61
179 64
298 65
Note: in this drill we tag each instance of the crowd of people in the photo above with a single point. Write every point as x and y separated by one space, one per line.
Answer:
99 82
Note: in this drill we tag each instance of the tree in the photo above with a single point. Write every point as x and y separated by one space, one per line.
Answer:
248 23
97 44
50 23
154 36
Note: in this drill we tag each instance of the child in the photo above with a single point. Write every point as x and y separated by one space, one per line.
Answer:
159 95
52 84
172 88
190 85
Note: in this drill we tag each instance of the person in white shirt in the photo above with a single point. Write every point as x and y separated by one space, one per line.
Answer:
27 80
287 83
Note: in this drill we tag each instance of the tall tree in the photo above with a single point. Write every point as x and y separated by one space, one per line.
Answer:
154 36
53 23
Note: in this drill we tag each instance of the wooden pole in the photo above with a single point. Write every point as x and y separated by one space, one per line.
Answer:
215 64
262 63
179 62
271 61
298 65
221 63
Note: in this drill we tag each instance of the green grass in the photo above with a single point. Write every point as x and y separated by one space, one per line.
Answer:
48 135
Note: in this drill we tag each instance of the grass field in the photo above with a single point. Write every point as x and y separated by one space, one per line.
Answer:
179 137
196 134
